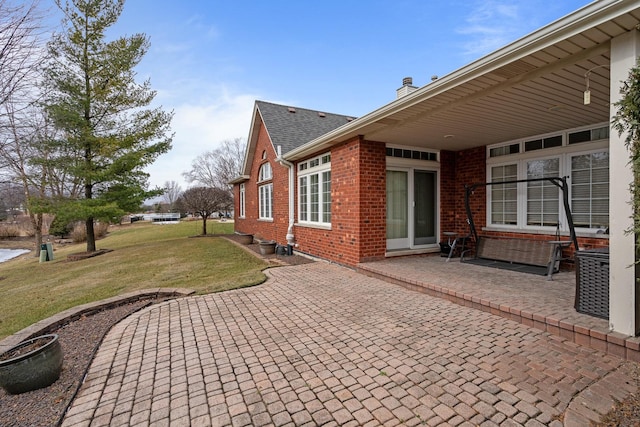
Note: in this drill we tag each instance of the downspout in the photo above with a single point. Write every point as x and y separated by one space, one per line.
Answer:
290 236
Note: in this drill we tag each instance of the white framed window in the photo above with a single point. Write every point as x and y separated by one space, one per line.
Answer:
543 197
265 172
582 155
266 201
590 190
242 201
265 192
504 197
314 190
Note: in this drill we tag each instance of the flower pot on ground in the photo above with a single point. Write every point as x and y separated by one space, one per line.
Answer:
267 247
245 239
32 364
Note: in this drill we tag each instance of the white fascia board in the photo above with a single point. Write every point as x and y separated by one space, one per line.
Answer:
253 132
593 14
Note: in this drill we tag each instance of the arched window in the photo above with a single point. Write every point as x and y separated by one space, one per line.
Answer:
265 192
265 172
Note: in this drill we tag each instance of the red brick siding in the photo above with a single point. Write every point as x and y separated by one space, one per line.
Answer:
373 200
358 194
358 209
456 170
470 167
449 211
268 230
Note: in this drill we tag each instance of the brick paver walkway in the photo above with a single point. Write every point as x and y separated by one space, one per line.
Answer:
322 345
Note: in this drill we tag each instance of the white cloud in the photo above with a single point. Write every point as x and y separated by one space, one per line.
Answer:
202 127
490 25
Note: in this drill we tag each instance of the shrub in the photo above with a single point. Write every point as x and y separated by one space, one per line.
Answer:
79 232
8 231
28 229
59 227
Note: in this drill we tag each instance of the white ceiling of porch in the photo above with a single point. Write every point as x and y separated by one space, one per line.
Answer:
517 100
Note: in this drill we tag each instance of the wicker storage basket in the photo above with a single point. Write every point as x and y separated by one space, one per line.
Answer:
592 282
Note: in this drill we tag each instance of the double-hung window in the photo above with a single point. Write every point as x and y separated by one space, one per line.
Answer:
590 190
314 190
265 192
542 196
581 155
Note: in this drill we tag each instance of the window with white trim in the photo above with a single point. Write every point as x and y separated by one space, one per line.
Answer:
582 155
265 192
543 201
266 201
590 190
265 172
242 201
504 197
314 190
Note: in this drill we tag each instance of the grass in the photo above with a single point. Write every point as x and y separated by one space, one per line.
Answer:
144 256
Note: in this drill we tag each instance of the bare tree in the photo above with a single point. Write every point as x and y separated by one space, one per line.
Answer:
217 167
203 201
25 147
172 192
11 198
20 47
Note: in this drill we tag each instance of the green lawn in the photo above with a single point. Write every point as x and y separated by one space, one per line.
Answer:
144 256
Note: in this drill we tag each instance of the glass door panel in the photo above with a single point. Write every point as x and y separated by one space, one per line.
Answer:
397 209
425 208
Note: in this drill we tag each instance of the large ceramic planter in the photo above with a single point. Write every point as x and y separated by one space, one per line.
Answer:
245 239
267 247
32 364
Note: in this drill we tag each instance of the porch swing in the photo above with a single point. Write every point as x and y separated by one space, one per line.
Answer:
525 255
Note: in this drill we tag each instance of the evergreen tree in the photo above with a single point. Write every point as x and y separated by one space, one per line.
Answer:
94 99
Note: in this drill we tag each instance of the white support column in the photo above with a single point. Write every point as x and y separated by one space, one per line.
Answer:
622 278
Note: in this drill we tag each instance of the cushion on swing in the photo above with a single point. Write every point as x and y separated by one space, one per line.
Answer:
521 251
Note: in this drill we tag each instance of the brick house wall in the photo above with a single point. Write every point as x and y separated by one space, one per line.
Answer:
264 229
358 206
468 167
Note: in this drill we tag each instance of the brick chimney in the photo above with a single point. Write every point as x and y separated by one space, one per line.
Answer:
407 87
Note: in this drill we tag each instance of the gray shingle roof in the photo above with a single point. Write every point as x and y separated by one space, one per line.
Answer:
291 127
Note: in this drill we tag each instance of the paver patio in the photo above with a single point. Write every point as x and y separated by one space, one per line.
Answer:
319 344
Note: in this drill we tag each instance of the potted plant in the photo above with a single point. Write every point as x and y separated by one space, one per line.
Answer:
32 364
244 238
267 247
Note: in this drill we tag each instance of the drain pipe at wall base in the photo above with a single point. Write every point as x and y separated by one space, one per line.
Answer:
290 236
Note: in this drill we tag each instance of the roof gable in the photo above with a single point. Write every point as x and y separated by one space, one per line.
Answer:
291 127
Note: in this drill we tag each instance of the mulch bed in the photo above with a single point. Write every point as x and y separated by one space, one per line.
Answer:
79 256
79 340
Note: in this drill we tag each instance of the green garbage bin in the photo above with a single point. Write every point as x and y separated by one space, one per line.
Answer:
46 252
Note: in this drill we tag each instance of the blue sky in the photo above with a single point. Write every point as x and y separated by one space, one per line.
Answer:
210 60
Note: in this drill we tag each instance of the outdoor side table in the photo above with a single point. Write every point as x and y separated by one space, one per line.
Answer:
554 265
451 241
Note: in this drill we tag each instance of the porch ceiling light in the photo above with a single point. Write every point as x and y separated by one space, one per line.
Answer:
449 136
587 92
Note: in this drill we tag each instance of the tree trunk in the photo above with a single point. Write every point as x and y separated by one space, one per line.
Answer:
36 223
91 237
204 225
